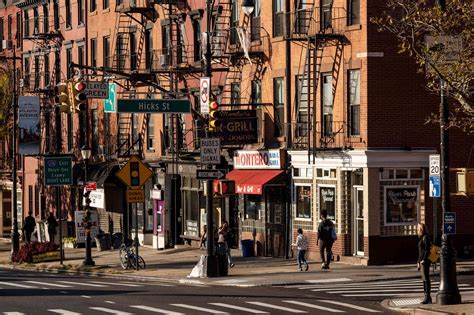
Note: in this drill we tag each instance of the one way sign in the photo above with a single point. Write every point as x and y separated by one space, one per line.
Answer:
210 174
449 220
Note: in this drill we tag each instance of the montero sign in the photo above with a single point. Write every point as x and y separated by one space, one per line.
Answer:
258 159
153 106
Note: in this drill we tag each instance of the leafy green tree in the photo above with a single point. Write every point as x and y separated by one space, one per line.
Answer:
6 98
441 41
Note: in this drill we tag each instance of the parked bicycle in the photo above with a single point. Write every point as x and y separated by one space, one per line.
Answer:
128 258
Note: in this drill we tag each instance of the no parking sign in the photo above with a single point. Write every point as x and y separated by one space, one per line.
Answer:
204 94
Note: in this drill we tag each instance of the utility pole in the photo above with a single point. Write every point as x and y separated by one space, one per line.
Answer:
448 292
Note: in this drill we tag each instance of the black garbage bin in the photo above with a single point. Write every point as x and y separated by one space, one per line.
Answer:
222 263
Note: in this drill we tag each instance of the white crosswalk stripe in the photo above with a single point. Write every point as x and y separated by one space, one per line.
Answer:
356 307
155 310
63 312
13 313
286 309
240 308
110 311
49 284
197 308
14 284
327 309
84 284
117 283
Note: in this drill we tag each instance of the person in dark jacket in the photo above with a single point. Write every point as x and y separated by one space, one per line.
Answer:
325 239
52 224
423 263
29 226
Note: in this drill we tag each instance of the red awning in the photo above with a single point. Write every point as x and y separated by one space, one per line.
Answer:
251 181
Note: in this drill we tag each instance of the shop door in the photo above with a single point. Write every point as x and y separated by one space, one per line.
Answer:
358 215
275 225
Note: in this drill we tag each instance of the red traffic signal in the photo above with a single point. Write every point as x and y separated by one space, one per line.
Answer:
213 119
224 187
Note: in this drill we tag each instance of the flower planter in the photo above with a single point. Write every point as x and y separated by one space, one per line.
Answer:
49 256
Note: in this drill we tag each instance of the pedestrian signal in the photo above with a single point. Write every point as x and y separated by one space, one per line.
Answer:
224 187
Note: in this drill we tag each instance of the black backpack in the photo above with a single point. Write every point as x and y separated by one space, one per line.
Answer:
327 231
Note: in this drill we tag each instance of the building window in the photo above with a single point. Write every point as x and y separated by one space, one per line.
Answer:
105 4
135 131
326 173
93 52
35 21
26 22
327 101
68 14
93 6
80 55
47 131
45 19
37 72
106 51
120 51
149 48
9 26
26 62
257 99
277 18
326 16
397 174
36 212
57 66
327 200
70 132
197 38
1 33
133 52
234 26
279 106
30 199
252 206
302 106
353 8
354 102
18 30
303 202
47 74
235 94
56 15
150 132
68 62
401 204
95 131
80 12
255 22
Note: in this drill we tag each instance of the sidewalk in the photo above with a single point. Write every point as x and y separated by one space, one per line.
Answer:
174 266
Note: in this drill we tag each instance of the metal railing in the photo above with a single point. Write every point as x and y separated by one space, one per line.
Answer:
331 135
315 21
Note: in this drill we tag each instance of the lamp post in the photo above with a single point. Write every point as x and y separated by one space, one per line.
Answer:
14 234
88 261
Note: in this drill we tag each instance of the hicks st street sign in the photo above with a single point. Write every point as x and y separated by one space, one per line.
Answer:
153 106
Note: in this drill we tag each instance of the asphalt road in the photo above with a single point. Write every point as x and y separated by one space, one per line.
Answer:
42 293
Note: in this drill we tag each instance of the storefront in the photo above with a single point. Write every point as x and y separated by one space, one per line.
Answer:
261 189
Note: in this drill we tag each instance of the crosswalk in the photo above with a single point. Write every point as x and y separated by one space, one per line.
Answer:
309 306
381 289
63 284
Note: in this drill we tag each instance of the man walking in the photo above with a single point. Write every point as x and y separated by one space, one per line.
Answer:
29 226
326 234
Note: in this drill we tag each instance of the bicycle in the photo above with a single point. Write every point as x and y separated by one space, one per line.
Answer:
128 258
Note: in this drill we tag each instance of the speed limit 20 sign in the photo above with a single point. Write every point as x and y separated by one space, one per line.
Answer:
435 164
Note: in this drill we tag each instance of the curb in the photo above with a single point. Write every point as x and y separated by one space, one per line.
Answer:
413 309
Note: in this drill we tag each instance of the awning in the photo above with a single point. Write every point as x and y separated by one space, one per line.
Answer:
251 181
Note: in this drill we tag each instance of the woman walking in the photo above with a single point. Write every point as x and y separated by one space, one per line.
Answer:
302 245
423 264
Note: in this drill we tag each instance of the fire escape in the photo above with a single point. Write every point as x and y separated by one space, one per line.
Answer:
320 31
130 41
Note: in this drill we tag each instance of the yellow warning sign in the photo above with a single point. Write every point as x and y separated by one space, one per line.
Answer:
135 173
135 195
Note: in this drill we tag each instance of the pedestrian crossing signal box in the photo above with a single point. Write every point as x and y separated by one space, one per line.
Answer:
464 181
224 187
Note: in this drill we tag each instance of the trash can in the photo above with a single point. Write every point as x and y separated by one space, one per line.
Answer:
247 248
222 263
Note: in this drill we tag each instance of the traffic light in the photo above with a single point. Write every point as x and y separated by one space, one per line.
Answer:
213 115
134 174
61 97
224 187
79 96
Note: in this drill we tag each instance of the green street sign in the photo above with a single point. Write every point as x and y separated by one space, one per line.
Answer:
153 106
58 170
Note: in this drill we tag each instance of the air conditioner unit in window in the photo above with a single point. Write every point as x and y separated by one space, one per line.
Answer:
164 60
7 44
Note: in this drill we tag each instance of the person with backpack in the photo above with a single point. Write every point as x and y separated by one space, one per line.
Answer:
302 245
423 263
326 238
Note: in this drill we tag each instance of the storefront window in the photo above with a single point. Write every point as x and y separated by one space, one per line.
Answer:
327 201
401 205
303 202
191 205
149 215
252 206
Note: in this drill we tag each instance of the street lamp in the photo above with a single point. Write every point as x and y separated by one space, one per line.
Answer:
248 6
88 261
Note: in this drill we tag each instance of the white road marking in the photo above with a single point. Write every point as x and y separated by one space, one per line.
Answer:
50 284
63 292
63 312
240 308
377 291
83 283
119 283
85 296
110 302
108 310
13 284
356 307
329 280
13 313
202 309
291 310
327 309
156 310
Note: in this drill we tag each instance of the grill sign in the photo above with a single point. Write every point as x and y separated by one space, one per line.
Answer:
237 127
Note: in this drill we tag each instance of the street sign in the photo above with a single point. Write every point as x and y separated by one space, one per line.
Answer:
134 173
210 174
90 186
435 164
111 101
210 151
435 186
135 195
97 89
205 94
58 170
153 106
449 223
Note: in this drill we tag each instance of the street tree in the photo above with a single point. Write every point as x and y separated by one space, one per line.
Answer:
441 40
6 99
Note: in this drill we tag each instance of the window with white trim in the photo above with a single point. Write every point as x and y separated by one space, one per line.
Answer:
327 200
401 205
303 195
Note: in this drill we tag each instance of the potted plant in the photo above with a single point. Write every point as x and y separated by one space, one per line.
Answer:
70 242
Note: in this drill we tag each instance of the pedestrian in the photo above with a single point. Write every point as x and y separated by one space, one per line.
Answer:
325 239
29 226
302 245
203 243
52 224
423 263
222 241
